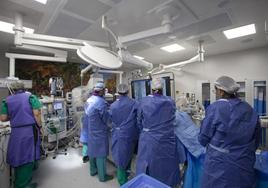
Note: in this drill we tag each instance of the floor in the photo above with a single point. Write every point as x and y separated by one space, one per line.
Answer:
69 171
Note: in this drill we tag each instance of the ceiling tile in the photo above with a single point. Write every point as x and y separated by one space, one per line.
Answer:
204 26
67 26
91 9
30 16
138 47
116 1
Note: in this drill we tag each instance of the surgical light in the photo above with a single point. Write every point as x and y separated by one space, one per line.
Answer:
8 28
138 57
240 31
42 1
172 48
99 57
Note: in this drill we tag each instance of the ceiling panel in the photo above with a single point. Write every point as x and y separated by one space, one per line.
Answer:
138 46
67 26
31 16
204 26
91 9
116 1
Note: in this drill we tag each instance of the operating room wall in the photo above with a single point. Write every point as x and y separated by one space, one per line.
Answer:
4 68
243 65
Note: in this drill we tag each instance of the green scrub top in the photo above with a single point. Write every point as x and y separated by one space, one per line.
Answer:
34 101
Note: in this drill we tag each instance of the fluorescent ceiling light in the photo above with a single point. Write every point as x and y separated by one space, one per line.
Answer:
42 1
138 57
240 31
8 28
173 48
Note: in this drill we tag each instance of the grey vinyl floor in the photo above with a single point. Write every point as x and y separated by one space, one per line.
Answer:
67 171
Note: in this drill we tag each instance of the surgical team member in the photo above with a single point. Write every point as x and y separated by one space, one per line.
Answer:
84 137
84 131
123 114
23 111
157 151
230 132
98 144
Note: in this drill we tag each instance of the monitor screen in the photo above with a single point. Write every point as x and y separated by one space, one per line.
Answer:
140 88
58 106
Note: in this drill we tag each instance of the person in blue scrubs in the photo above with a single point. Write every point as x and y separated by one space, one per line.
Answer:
84 137
98 144
125 132
84 129
157 150
230 132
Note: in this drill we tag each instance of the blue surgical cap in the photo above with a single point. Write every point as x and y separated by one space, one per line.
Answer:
99 86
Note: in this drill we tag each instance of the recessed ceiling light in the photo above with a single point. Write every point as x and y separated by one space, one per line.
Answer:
8 28
138 57
42 1
240 31
172 48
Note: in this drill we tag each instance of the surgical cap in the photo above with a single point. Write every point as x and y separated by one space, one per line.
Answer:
227 84
17 85
157 83
122 88
99 86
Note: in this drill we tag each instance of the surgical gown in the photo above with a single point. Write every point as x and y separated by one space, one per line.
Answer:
98 117
157 152
125 131
229 131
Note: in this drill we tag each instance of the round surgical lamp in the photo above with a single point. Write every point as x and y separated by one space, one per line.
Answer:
99 57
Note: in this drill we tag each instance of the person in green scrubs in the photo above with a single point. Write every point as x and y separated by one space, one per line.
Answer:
22 109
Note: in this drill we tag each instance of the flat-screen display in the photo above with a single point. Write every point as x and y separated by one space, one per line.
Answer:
57 106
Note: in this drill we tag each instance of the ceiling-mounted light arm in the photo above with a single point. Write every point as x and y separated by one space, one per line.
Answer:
266 28
18 29
85 70
201 50
127 57
182 63
55 52
105 27
199 57
22 38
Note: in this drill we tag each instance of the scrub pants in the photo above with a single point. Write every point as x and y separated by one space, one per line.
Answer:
122 174
23 175
98 166
84 150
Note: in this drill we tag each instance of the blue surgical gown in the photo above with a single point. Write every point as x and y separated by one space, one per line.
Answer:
229 131
157 152
125 131
98 118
